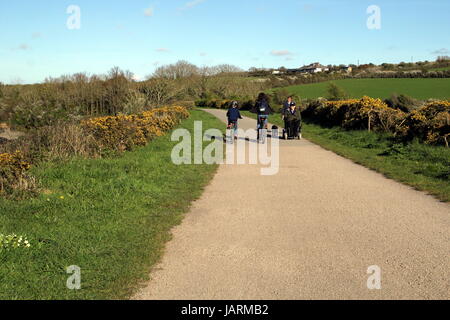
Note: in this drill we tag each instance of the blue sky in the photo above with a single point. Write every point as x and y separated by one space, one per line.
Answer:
140 35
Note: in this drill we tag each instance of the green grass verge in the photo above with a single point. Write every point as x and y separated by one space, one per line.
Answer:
113 222
426 168
421 89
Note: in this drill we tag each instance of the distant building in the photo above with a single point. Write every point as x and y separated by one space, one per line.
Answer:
347 69
314 68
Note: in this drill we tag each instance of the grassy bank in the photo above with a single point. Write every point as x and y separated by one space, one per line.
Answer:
426 168
111 217
379 88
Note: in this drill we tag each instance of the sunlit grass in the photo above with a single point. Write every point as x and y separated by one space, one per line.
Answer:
111 217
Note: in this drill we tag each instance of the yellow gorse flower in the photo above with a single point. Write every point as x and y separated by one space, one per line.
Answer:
14 161
122 132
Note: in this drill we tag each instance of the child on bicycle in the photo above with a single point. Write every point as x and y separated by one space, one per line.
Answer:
233 116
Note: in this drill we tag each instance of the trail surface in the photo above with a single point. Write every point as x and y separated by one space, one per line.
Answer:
309 232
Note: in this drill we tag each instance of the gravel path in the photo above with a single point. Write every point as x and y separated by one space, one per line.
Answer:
309 232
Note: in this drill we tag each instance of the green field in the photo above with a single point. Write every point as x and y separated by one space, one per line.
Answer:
379 88
111 217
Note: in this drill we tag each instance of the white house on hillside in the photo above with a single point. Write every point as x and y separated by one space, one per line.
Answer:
314 68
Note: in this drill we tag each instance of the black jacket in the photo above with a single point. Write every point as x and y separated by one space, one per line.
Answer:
233 114
286 106
256 109
296 116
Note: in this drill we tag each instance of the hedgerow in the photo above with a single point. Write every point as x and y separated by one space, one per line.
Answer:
429 124
123 132
91 138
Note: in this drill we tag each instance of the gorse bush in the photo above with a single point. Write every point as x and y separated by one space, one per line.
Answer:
366 113
14 174
123 132
430 123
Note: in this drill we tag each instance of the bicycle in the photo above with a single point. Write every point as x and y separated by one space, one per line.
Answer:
262 128
231 132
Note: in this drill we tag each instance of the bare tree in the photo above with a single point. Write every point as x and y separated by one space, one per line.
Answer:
181 69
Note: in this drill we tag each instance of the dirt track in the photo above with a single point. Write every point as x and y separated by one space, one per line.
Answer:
310 233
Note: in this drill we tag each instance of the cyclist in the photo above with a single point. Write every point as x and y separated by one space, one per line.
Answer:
263 110
233 116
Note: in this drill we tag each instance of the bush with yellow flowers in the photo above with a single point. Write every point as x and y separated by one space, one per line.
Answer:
13 173
431 123
123 132
366 113
374 115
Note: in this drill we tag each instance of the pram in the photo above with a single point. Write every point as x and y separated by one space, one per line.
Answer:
292 130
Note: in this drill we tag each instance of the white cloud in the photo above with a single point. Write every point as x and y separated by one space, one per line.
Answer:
203 54
191 4
307 7
22 47
36 35
149 12
162 50
441 51
280 53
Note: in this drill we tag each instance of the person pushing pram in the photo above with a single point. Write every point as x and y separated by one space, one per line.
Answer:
292 120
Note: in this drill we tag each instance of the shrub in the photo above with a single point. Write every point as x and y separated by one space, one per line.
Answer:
188 104
36 115
123 132
336 93
366 113
213 103
280 96
402 102
14 174
135 102
430 123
